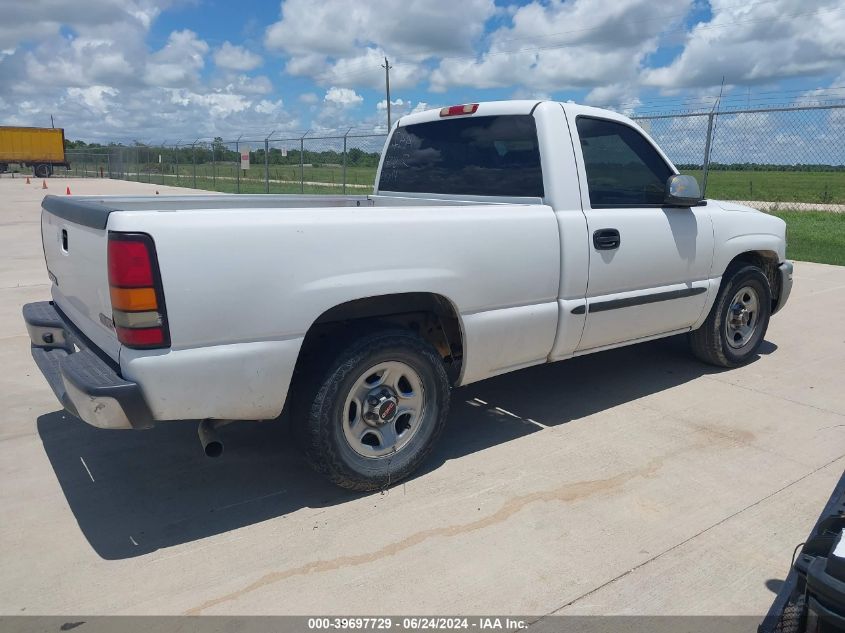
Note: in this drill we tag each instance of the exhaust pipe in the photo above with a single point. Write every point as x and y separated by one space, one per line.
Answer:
212 445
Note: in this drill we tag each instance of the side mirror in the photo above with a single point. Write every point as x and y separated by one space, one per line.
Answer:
682 191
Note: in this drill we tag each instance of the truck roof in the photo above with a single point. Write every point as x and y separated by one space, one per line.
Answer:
513 106
486 108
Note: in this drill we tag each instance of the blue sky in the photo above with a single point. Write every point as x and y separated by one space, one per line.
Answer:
156 70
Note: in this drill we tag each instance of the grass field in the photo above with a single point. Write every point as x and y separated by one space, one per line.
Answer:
826 187
815 236
224 177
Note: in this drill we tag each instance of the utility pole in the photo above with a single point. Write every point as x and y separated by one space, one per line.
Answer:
387 68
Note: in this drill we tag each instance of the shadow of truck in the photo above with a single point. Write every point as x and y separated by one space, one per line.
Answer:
135 492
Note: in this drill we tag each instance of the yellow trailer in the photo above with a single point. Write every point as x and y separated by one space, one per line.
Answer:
36 147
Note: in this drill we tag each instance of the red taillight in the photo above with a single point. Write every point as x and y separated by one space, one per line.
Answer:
129 264
455 110
146 337
136 291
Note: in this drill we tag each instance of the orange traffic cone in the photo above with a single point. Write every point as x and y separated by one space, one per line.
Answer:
27 180
43 184
67 191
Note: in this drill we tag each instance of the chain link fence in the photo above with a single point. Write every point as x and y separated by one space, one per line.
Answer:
794 154
790 154
305 164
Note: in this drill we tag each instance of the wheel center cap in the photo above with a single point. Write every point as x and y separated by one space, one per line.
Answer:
382 406
387 410
740 316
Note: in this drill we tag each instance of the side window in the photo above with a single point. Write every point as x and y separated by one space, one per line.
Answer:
623 169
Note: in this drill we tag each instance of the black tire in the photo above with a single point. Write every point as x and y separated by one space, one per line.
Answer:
710 342
320 411
42 170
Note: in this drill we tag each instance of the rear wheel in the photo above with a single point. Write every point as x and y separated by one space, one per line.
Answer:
43 170
376 411
738 321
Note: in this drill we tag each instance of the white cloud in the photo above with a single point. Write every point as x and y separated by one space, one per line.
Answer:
42 20
757 42
233 57
82 61
531 93
613 94
359 69
309 97
94 97
398 108
394 103
265 106
243 84
345 97
554 46
178 63
218 104
344 44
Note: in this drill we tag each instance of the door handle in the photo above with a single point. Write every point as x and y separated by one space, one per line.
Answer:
606 239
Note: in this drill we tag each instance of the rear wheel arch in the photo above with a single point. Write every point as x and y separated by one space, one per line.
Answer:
432 316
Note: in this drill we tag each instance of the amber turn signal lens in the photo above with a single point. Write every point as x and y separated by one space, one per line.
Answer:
133 299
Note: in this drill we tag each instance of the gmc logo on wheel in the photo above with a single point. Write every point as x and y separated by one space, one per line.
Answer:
387 410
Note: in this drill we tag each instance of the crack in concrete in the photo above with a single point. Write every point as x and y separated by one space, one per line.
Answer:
566 493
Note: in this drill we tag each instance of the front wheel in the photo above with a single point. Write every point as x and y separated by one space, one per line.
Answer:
738 321
377 410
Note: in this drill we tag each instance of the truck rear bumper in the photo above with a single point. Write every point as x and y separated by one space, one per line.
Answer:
87 385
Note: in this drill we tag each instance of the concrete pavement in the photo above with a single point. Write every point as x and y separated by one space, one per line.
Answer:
633 481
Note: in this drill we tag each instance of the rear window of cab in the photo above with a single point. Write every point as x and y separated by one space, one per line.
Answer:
477 156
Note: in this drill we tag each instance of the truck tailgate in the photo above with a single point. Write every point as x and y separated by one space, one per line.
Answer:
76 257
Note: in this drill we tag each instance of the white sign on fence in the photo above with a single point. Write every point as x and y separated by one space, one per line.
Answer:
245 159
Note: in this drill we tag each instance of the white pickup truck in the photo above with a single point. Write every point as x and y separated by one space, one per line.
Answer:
498 236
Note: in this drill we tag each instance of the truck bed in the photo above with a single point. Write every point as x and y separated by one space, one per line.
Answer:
94 211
